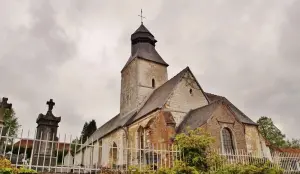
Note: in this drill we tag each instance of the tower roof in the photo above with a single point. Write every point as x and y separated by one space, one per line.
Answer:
142 34
142 29
143 46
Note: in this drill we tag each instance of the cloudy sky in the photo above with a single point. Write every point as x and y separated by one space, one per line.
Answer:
73 51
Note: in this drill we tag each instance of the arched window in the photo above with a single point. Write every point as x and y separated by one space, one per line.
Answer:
227 140
153 83
141 144
113 154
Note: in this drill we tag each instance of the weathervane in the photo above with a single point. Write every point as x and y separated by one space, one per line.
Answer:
142 17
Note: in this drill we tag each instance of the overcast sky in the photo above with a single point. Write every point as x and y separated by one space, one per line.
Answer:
73 51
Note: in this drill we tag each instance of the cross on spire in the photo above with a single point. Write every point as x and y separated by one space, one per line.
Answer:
50 104
142 17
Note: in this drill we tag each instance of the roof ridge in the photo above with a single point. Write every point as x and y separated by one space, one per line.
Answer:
181 73
192 111
152 97
209 104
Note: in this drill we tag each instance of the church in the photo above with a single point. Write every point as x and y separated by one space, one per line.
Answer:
154 108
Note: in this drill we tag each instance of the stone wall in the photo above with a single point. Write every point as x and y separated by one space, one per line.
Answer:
186 96
128 101
117 137
223 117
146 72
136 83
252 139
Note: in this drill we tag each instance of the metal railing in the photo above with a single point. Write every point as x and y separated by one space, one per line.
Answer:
289 162
64 154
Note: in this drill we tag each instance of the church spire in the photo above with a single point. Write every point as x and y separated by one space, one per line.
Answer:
143 46
143 35
144 71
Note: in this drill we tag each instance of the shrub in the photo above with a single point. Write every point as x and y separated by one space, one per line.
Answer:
4 163
195 147
248 169
25 170
137 170
199 158
6 168
179 168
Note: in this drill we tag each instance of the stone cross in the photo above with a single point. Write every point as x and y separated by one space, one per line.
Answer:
50 104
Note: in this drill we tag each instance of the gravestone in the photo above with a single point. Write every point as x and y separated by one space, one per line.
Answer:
3 106
45 146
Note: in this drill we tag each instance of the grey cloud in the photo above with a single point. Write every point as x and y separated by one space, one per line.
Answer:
245 50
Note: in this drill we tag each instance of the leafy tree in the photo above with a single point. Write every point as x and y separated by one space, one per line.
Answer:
87 130
83 132
270 132
11 124
294 143
92 127
195 147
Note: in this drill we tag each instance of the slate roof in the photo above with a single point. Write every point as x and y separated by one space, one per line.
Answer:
159 96
197 117
143 44
142 29
114 123
146 53
239 114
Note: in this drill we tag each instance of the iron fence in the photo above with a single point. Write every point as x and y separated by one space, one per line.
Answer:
67 154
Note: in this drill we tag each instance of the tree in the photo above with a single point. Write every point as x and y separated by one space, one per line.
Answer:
92 127
270 132
83 132
11 123
294 143
87 130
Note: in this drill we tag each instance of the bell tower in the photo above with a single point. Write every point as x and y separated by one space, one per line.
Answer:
144 71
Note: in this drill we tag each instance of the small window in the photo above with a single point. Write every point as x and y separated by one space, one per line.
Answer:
191 91
153 83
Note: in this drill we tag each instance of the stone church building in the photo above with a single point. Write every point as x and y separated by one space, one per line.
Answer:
153 108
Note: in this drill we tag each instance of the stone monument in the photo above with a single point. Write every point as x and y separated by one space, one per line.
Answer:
46 141
3 106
